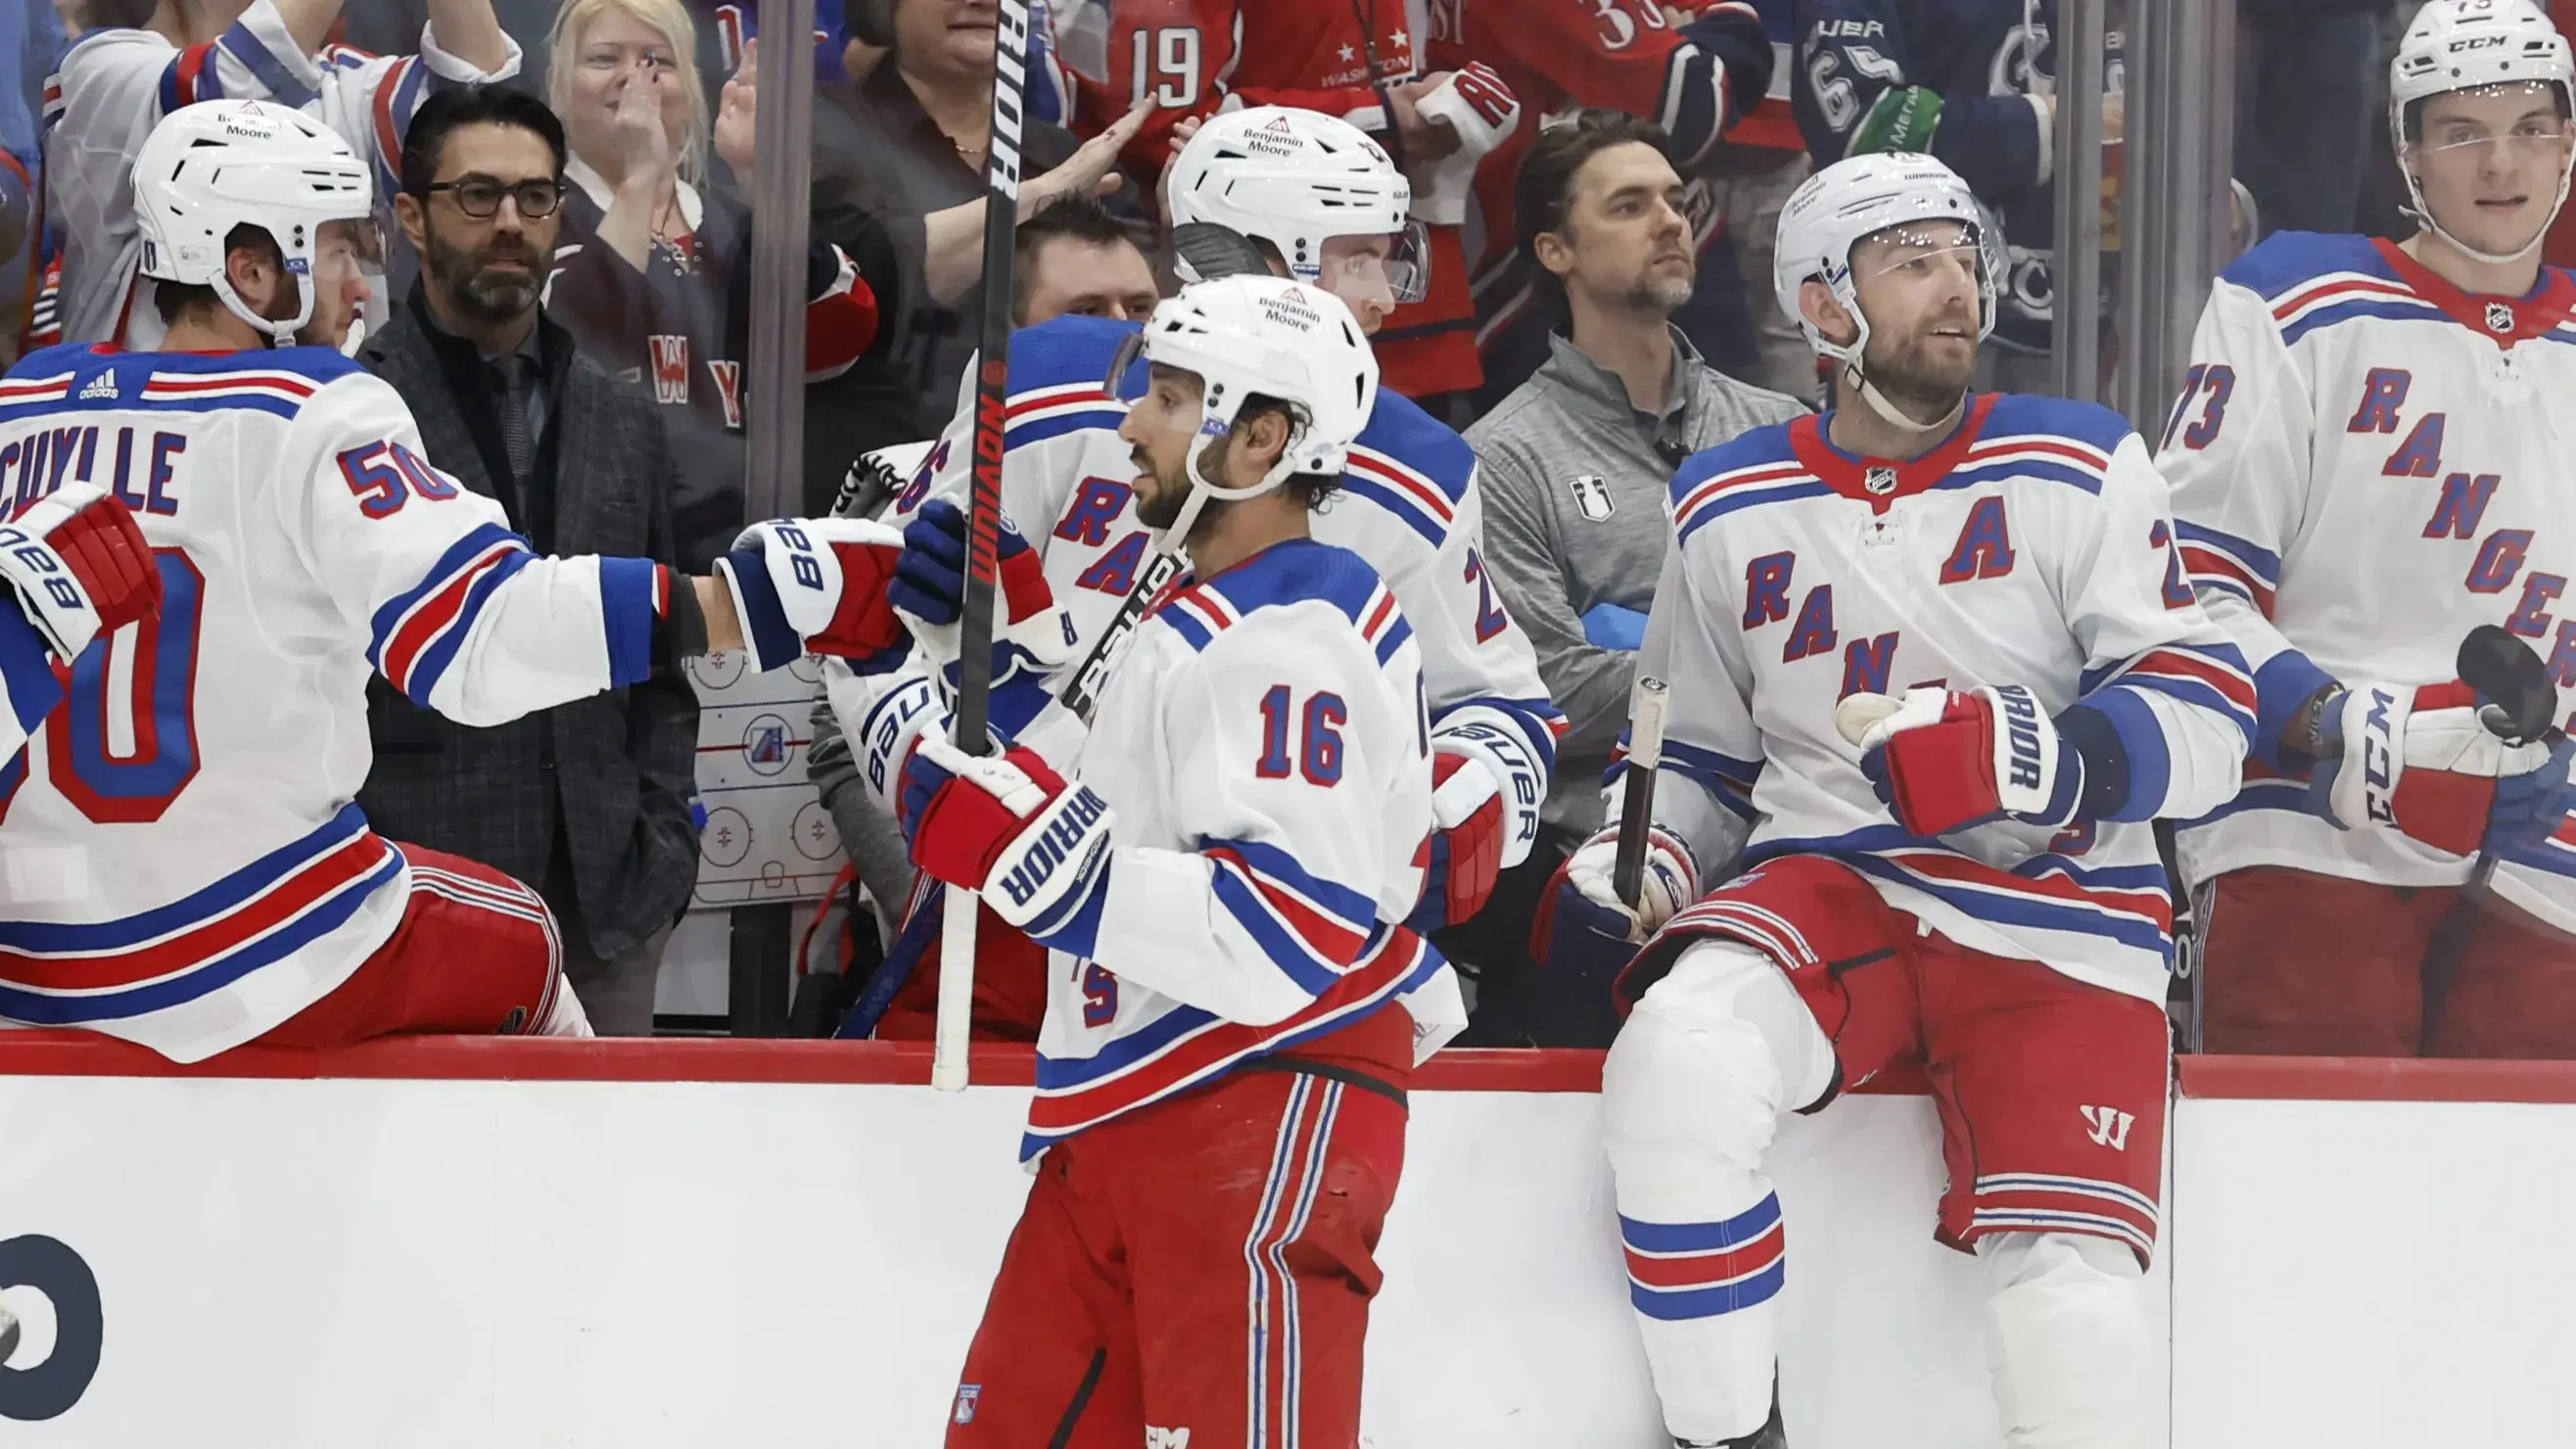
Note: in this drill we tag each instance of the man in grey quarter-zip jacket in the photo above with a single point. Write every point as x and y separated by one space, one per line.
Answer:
1574 464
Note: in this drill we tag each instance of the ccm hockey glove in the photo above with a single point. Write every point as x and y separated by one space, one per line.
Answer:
2420 759
80 567
1035 844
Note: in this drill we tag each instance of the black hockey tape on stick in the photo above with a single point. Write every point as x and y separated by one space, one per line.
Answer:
983 516
1637 807
1081 693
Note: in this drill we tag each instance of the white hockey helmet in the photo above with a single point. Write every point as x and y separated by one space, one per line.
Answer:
1296 179
1861 196
1271 337
216 165
2458 45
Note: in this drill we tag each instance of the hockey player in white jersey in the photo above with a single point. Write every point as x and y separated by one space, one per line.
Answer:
1219 872
117 82
1933 670
1323 204
2370 460
187 870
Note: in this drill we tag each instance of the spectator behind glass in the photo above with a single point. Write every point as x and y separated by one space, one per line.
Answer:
652 274
1074 258
1972 90
117 82
908 145
588 802
1574 466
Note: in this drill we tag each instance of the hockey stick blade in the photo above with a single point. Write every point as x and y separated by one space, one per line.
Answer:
1637 806
2513 678
983 517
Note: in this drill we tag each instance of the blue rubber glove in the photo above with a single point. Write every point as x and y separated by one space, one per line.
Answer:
1608 626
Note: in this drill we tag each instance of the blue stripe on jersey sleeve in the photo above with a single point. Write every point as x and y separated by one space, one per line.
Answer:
627 588
1399 428
1101 419
2265 564
432 664
26 669
2286 260
1352 908
1728 781
271 73
2127 746
1404 510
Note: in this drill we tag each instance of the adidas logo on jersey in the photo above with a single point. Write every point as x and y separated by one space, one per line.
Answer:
103 385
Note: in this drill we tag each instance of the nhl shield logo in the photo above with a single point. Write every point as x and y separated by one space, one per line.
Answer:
968 1395
2499 317
1592 495
1879 481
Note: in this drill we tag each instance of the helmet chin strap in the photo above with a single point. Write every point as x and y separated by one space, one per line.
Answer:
1858 381
1203 491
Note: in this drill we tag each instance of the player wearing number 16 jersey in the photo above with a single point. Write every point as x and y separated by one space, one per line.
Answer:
1322 200
1218 869
2370 461
187 870
1933 671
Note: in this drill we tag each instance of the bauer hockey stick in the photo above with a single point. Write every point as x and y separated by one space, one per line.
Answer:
983 521
1637 807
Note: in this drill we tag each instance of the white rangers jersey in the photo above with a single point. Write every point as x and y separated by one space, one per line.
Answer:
115 85
29 690
186 868
1264 747
1407 505
2031 548
2367 464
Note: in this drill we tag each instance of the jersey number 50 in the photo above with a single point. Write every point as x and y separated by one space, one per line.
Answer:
124 744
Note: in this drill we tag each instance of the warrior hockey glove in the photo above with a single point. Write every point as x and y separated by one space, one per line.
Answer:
1009 826
1941 760
1585 935
80 567
816 585
1466 841
2420 760
930 586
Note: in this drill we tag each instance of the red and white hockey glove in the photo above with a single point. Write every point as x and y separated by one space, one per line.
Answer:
1035 844
80 566
1942 760
2416 759
1466 841
816 585
1478 106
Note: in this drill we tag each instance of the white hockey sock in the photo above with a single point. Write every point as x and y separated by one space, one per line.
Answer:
2070 1342
1690 1096
564 1016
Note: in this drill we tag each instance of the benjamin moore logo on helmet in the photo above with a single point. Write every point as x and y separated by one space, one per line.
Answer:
1290 308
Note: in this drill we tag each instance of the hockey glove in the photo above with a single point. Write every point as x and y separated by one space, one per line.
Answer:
2530 807
930 587
1035 844
1466 841
1585 935
2419 759
816 585
1942 760
80 566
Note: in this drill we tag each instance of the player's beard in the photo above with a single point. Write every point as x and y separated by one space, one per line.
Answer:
1908 374
1172 490
466 276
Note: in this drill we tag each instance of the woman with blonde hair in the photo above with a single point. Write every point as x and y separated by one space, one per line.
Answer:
652 270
